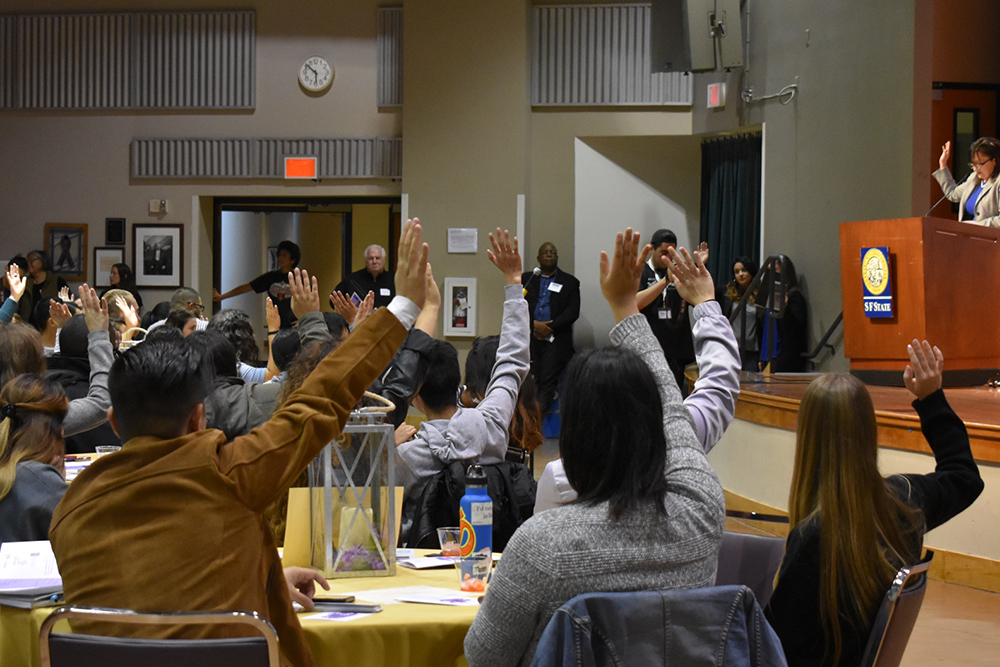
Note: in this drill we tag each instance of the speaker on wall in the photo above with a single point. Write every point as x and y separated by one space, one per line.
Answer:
695 35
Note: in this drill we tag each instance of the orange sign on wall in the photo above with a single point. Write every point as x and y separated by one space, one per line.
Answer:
300 167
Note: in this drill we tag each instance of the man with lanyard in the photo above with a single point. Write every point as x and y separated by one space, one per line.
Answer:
554 305
663 307
275 283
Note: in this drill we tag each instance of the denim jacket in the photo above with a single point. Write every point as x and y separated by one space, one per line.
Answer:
721 625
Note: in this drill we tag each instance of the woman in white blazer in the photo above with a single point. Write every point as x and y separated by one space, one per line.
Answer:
978 196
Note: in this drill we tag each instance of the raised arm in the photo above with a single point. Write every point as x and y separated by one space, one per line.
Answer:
17 286
712 404
92 410
955 483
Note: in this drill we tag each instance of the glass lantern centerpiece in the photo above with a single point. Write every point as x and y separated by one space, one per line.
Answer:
352 507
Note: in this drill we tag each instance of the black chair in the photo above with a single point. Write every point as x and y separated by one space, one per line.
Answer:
896 616
85 650
750 560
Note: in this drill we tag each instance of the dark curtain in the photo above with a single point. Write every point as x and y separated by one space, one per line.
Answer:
730 201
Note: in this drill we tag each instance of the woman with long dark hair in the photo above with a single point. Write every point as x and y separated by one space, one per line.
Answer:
32 472
854 529
122 277
649 512
747 328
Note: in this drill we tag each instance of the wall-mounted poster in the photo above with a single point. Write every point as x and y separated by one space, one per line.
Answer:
158 255
66 245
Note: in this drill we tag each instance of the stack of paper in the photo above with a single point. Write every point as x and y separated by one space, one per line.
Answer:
29 576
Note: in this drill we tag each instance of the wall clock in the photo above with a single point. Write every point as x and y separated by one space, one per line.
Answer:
316 74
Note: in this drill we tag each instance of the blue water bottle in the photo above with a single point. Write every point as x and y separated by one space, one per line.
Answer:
476 514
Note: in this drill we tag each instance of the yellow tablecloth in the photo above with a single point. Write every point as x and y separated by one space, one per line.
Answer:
401 634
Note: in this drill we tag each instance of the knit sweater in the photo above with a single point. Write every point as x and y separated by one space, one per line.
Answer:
579 548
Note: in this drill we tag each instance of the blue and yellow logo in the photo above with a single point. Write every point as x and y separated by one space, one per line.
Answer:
877 278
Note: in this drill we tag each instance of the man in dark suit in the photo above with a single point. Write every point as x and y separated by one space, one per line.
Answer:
554 304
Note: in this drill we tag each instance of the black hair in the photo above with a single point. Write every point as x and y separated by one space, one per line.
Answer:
19 261
179 317
73 338
661 236
155 385
235 325
440 387
216 350
40 314
336 324
284 346
612 441
164 333
293 250
158 312
479 364
126 279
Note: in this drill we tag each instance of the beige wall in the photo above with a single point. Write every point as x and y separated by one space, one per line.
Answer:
369 224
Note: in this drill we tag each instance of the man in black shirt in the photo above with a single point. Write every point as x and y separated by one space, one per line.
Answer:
554 305
275 283
664 308
372 278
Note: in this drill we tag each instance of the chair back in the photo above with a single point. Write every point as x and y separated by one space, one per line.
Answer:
751 561
896 616
84 650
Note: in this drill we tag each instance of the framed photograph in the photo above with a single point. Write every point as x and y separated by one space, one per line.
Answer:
272 258
459 307
114 231
158 255
104 259
66 245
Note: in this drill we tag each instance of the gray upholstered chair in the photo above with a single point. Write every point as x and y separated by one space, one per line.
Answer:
751 561
86 650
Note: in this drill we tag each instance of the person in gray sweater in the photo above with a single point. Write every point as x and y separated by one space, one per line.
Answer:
650 511
477 434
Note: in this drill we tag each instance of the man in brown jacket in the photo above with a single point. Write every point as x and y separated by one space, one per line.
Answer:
173 521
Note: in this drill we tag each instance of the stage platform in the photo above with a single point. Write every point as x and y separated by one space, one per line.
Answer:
773 400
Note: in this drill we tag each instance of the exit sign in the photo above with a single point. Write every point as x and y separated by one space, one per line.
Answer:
716 95
300 167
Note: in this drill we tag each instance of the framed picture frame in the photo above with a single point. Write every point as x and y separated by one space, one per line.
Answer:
66 245
272 258
114 231
158 255
460 307
104 259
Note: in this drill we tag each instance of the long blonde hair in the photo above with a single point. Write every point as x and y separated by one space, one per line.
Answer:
32 409
864 526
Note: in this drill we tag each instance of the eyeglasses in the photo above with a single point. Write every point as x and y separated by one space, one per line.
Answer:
977 165
195 306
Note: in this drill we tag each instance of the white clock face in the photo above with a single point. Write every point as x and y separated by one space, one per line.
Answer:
316 73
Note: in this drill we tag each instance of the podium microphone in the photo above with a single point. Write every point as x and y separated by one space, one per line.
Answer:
537 271
935 206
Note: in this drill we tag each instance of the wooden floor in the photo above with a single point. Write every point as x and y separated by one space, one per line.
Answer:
956 625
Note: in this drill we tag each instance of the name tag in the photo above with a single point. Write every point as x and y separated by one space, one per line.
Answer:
663 314
555 287
384 291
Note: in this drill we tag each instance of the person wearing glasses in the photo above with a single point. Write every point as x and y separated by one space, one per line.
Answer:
978 196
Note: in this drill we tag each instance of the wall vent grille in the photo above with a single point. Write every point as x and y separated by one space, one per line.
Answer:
390 56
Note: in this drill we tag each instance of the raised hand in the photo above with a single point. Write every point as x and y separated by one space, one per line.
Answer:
64 294
923 374
620 275
411 265
701 253
945 155
505 257
128 312
433 291
16 282
272 315
95 310
305 292
365 308
428 318
691 277
341 304
59 312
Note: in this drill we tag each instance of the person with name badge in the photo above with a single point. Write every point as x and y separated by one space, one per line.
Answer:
978 196
554 303
664 308
373 278
275 283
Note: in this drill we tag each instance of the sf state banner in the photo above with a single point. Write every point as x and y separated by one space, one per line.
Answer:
876 278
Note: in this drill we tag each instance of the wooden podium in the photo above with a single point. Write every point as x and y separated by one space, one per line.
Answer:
945 280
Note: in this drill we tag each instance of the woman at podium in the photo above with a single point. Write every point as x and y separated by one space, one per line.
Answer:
978 196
